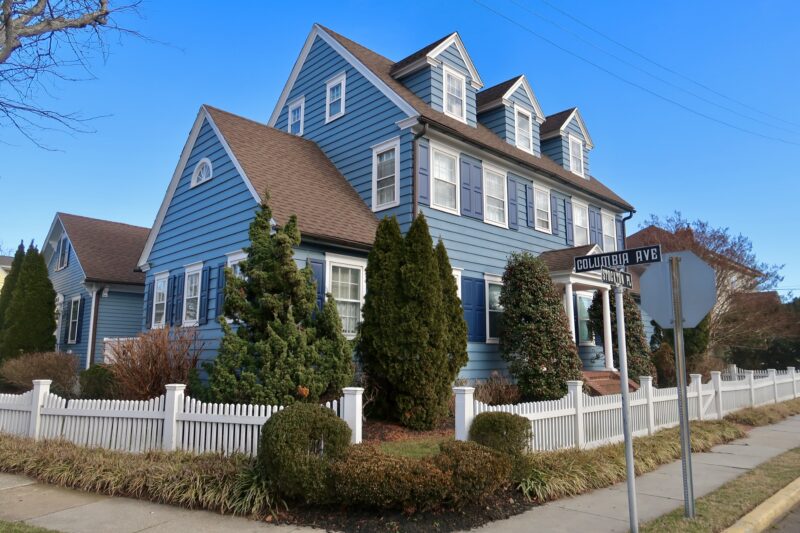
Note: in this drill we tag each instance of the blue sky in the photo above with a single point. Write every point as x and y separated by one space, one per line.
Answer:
658 156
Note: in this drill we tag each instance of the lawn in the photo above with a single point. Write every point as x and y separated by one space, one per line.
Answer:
416 448
19 527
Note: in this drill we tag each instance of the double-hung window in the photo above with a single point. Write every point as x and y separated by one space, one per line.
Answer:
455 90
584 301
74 313
580 223
542 209
523 130
160 299
234 258
385 171
296 116
62 253
495 204
334 97
191 295
494 311
347 285
609 233
576 155
444 180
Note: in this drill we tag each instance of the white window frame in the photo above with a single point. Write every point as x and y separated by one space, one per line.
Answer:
198 168
490 279
76 301
63 253
161 276
457 276
605 216
504 181
570 139
299 103
578 205
449 153
340 78
377 149
452 72
234 258
194 268
346 261
59 314
590 296
522 111
537 190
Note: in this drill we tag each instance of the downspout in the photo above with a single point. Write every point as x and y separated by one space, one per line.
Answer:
92 328
624 232
414 200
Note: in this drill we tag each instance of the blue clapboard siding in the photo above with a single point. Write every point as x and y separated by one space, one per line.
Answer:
119 315
68 282
369 119
557 148
500 121
554 148
452 58
419 83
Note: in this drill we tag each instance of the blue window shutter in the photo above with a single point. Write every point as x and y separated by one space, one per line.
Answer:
568 222
595 226
220 290
170 303
477 189
80 320
529 205
178 313
466 187
148 321
474 305
620 234
513 223
423 173
554 215
69 251
471 187
318 270
205 278
58 251
480 309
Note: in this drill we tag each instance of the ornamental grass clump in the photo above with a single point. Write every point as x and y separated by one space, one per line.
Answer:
765 415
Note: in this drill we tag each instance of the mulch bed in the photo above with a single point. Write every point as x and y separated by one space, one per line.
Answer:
380 431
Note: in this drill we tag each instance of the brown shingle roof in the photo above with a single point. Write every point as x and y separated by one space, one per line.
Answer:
418 54
492 94
6 260
480 135
555 121
300 180
564 259
107 251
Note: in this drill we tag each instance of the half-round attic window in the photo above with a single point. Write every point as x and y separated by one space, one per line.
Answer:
202 172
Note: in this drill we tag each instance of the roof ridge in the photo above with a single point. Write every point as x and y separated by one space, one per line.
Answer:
105 221
257 123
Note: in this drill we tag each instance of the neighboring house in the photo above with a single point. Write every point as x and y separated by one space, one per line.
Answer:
91 264
355 137
5 267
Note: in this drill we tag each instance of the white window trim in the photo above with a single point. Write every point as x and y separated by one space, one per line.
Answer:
457 276
194 268
235 257
537 190
613 234
62 242
196 173
346 261
571 138
504 176
577 204
70 338
523 111
376 149
59 315
445 71
490 279
159 277
435 147
337 79
301 103
590 296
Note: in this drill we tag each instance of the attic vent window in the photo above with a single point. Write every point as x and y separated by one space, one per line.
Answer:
455 88
576 155
203 172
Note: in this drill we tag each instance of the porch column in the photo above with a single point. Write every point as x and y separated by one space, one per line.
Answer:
570 310
607 345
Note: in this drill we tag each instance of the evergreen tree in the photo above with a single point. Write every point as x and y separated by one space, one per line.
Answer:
640 361
456 326
9 284
695 342
535 337
281 351
30 318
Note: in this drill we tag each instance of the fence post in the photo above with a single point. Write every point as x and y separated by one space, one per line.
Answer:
790 370
41 388
646 384
696 383
733 371
173 405
353 403
716 380
575 388
773 375
748 376
465 411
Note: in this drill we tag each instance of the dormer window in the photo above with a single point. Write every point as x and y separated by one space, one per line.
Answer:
576 155
62 253
296 112
203 172
455 89
523 133
334 97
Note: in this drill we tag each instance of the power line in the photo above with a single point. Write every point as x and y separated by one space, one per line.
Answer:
664 67
631 83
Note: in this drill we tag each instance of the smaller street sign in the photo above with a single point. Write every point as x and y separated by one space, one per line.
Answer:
616 277
632 256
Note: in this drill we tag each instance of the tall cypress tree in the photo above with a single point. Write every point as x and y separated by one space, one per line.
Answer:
9 284
30 317
456 326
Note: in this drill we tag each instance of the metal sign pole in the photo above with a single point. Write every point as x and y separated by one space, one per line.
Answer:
680 371
633 513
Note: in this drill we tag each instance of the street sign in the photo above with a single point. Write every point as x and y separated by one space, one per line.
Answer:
616 278
697 285
632 256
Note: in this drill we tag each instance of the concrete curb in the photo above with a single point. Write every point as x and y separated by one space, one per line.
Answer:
770 511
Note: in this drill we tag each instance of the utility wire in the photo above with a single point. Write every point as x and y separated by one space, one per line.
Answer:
648 73
664 67
632 83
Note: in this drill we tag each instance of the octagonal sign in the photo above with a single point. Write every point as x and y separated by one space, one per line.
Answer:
698 290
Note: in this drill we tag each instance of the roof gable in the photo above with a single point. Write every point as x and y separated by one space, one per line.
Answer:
563 260
501 93
556 124
428 54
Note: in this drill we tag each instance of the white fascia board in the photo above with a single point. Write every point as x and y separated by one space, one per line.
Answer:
581 124
523 82
476 82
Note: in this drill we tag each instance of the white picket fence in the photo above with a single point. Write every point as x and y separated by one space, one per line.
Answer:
173 421
582 421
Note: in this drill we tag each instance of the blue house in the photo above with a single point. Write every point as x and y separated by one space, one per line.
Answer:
355 137
91 264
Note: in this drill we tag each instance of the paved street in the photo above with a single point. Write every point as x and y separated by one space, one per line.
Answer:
790 523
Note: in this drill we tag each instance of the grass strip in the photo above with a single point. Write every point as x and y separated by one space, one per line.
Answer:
723 507
414 448
21 527
765 415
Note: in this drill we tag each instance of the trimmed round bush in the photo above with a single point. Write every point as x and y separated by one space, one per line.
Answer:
505 432
297 447
477 472
97 383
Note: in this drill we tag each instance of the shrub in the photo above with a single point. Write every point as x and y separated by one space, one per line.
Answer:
476 471
505 432
664 361
297 447
60 367
97 382
142 366
497 390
